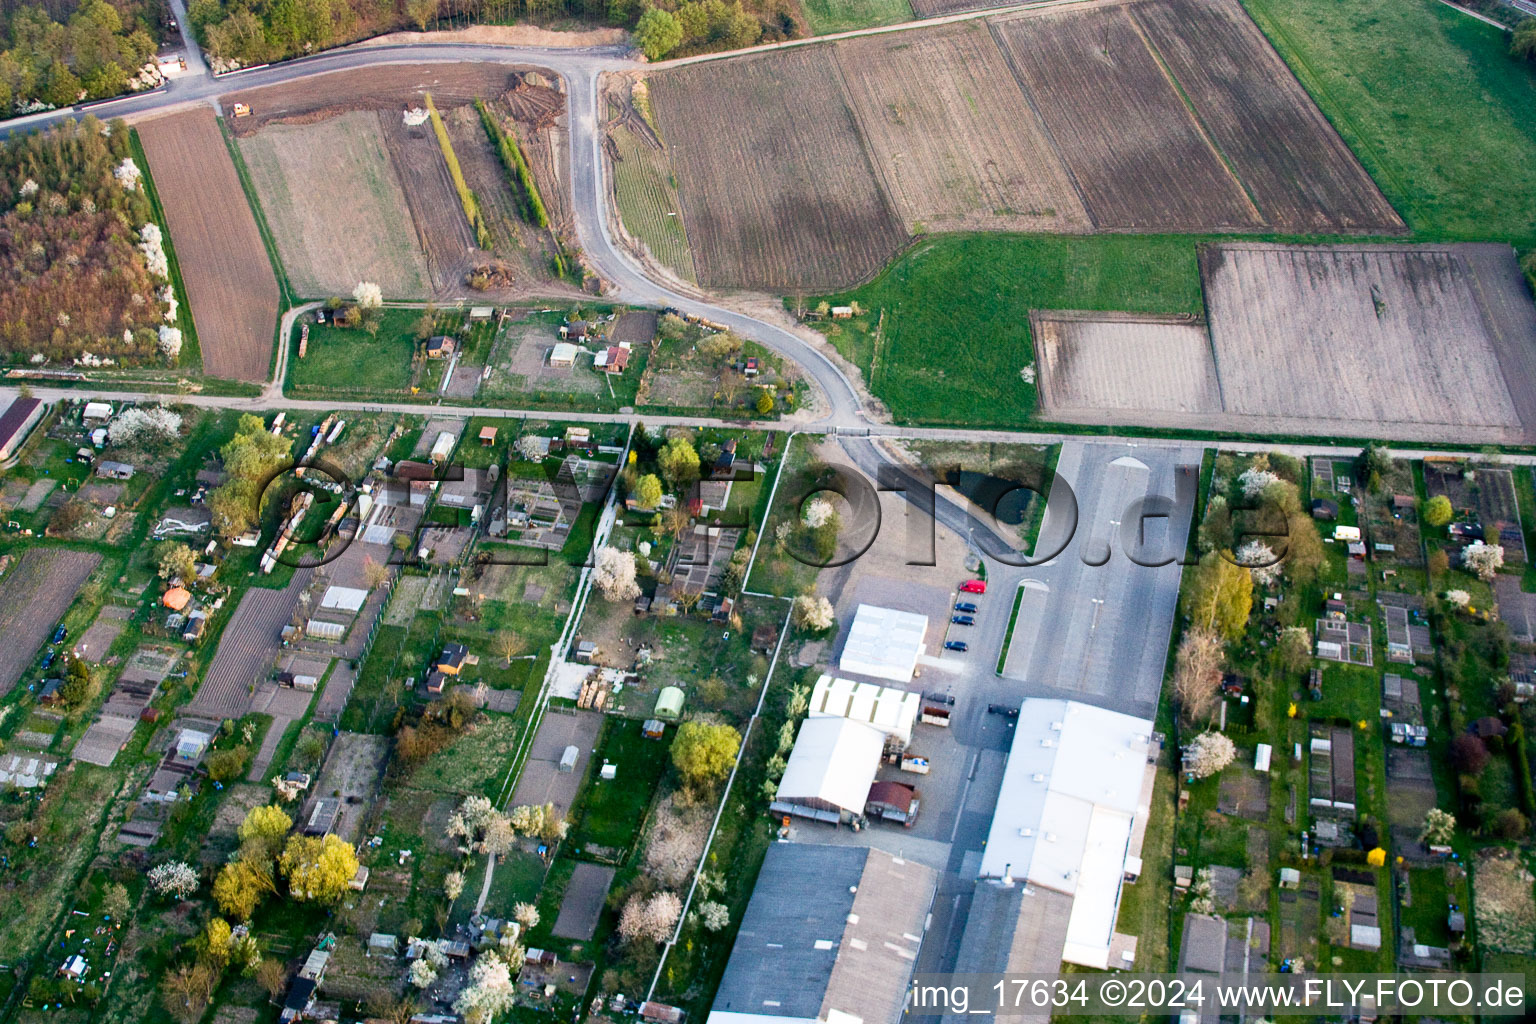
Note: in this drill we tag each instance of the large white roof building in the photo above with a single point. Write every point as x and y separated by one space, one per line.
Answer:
888 709
830 769
1066 817
884 643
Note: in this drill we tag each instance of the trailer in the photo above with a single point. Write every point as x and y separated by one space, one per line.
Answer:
914 764
935 716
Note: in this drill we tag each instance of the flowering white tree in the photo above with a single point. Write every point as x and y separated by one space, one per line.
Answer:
1458 598
367 295
144 424
614 575
173 878
527 819
526 914
651 918
170 341
1260 561
453 884
490 990
818 512
512 954
714 915
480 827
1255 481
1483 559
1207 754
812 613
127 174
152 245
422 973
1439 827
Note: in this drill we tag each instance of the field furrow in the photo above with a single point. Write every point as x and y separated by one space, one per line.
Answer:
1302 176
777 190
952 135
1140 159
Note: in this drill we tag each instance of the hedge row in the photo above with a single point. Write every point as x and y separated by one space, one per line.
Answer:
527 190
466 197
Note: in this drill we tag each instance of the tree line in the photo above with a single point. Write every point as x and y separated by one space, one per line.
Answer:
59 54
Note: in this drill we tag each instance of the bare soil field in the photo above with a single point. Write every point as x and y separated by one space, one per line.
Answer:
1414 343
442 230
230 284
1301 175
388 87
777 190
33 597
336 206
1370 336
1139 158
935 8
429 244
1100 362
952 135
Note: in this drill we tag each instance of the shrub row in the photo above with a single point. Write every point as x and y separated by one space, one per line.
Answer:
466 197
526 189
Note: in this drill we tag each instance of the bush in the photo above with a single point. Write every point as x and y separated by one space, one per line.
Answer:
1510 824
1469 754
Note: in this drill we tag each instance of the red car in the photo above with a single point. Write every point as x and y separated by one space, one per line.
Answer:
974 587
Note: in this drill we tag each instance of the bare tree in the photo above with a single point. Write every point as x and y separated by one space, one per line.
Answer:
1197 674
508 645
375 574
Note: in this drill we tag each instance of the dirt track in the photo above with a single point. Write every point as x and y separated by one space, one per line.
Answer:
230 284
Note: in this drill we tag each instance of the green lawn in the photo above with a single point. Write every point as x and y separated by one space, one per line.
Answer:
611 812
842 15
955 333
350 359
1429 100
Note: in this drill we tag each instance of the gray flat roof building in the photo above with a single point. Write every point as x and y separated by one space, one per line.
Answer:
831 932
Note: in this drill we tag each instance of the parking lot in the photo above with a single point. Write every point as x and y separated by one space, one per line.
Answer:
1088 629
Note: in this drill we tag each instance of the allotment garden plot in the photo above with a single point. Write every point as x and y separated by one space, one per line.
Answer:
1414 342
33 597
230 285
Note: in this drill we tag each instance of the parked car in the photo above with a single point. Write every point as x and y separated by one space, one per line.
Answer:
48 659
974 587
956 645
59 635
963 620
1002 709
966 607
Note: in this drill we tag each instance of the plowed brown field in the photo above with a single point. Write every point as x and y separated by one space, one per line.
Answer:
953 136
1300 173
1140 159
230 284
33 597
777 191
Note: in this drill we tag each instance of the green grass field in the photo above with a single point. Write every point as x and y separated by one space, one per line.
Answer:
1429 100
843 15
351 359
611 812
955 333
